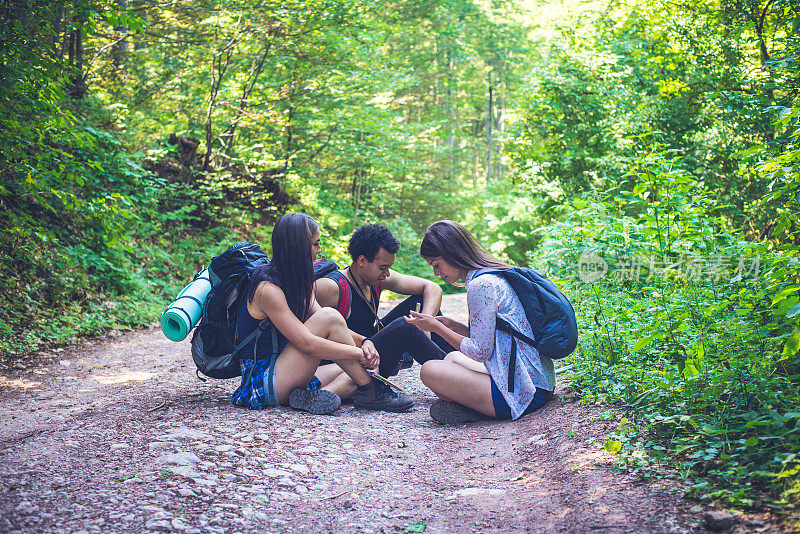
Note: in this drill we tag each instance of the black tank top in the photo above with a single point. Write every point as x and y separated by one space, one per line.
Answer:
245 324
361 319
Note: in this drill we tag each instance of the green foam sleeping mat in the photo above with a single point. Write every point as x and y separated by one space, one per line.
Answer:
180 317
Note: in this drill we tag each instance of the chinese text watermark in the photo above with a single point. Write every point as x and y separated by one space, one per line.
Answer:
694 267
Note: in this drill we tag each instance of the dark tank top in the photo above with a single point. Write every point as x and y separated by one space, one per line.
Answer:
361 319
245 324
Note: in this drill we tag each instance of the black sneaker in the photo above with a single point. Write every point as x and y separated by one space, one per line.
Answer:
453 413
318 401
379 396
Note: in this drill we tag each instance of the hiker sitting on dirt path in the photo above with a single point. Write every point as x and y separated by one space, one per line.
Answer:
281 293
355 292
473 384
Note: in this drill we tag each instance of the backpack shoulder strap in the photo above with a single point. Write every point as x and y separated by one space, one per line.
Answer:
481 272
345 296
504 326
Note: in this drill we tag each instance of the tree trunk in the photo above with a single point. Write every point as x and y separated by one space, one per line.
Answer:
247 89
402 196
489 121
289 135
57 53
499 126
475 171
220 67
451 117
77 83
356 192
762 45
119 52
139 43
769 128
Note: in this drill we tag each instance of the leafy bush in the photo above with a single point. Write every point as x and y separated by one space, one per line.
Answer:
690 331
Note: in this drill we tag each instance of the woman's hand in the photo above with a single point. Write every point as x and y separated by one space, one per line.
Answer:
423 321
372 358
447 321
451 330
455 326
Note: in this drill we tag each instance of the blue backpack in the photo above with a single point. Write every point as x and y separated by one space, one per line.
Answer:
549 312
214 344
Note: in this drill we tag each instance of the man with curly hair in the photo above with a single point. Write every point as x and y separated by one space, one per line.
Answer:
355 292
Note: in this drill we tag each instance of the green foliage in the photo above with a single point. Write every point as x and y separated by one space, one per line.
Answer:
650 149
642 73
317 103
689 327
690 331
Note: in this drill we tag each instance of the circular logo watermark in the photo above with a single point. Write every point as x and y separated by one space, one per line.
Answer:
591 267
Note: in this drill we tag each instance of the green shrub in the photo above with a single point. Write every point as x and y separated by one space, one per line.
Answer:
696 357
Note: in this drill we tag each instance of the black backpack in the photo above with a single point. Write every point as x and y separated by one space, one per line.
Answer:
549 312
214 348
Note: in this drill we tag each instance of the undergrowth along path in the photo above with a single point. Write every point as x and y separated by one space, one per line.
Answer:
118 435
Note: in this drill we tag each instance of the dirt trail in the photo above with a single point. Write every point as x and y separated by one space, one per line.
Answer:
117 435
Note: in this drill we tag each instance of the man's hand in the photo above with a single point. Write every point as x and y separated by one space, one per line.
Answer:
371 357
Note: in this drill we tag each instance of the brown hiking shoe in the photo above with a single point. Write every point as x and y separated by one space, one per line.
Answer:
453 413
379 396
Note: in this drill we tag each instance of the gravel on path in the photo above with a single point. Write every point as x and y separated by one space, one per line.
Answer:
118 435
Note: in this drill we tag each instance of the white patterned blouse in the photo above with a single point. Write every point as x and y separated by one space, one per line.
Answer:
487 297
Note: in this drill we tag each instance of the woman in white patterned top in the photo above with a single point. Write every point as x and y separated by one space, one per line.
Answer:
472 384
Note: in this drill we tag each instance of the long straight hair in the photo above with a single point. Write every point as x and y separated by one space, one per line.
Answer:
455 245
292 267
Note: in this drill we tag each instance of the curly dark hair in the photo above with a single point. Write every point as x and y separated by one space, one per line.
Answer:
369 239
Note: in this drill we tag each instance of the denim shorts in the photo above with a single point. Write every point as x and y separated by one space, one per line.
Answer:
259 387
503 411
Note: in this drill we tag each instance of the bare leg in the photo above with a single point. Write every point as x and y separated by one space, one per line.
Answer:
328 373
458 358
336 381
338 331
343 386
294 369
455 380
464 361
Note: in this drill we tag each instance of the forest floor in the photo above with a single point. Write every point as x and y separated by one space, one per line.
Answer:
117 434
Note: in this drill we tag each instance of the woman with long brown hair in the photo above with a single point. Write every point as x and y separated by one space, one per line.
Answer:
473 383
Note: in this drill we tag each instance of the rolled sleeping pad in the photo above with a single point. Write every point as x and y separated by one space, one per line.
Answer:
180 317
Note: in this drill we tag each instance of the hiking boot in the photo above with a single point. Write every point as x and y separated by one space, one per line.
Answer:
453 413
318 401
379 396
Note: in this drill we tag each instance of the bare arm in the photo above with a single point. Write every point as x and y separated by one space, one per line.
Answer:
326 291
270 301
405 284
479 343
429 323
455 326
